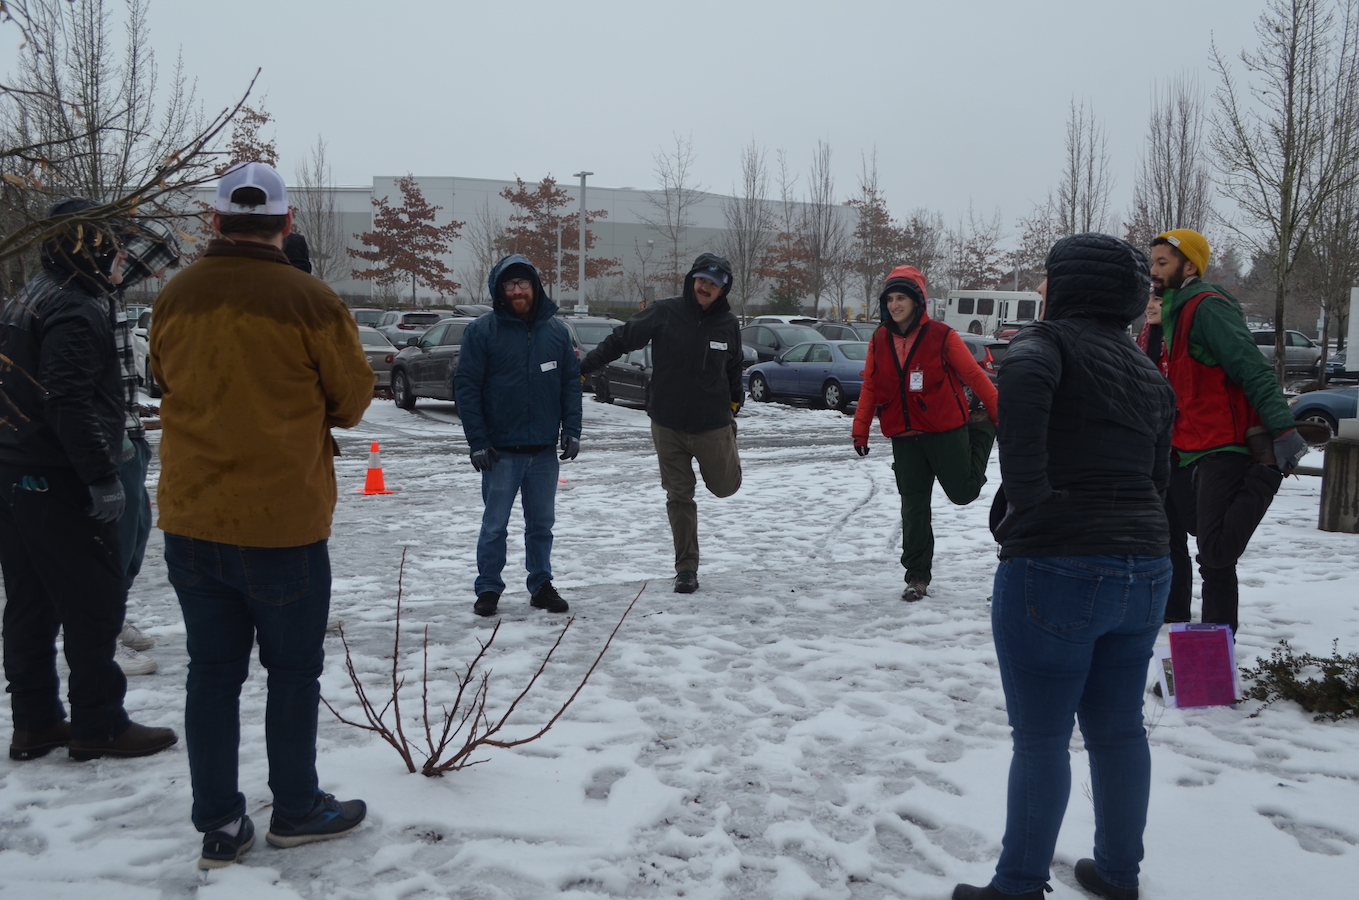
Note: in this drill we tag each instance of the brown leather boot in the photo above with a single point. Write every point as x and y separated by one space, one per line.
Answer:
1260 443
34 744
136 740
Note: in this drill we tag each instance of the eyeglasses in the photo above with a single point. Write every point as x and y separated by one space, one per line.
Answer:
518 284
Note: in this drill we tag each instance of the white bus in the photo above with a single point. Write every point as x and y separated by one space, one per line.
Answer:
986 312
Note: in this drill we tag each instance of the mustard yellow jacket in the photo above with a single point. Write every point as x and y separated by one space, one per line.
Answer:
257 361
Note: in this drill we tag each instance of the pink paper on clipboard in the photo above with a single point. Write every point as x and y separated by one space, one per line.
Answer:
1204 664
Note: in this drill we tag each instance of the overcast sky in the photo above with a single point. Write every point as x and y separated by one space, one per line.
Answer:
964 100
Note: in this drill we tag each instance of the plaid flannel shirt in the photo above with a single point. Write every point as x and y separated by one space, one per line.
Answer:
124 341
150 247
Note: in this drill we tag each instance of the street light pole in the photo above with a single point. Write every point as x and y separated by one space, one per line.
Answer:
581 308
557 272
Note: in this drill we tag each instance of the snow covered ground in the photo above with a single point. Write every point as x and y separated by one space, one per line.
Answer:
793 730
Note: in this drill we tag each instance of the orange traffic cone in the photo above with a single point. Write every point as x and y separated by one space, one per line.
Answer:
374 484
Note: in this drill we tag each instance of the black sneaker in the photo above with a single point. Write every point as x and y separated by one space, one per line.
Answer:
221 849
1090 879
39 742
329 818
486 604
546 597
686 582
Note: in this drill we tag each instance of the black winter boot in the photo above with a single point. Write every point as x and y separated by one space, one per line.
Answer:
1090 879
968 892
487 602
547 598
686 582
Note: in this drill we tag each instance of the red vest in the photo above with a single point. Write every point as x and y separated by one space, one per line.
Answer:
937 403
1211 410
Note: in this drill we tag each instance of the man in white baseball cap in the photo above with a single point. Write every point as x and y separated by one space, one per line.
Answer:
247 492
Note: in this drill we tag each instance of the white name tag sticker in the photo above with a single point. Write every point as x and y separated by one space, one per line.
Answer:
717 345
549 366
917 380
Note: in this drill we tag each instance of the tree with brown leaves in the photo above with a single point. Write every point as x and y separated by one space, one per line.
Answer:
406 245
542 230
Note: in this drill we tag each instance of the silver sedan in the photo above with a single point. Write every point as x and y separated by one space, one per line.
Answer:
380 353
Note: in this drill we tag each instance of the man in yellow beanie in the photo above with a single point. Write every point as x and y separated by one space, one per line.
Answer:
1234 437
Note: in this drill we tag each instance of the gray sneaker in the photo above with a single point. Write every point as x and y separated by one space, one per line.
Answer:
915 590
134 638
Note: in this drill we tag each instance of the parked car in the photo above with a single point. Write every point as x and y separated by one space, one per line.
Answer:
1301 354
381 354
626 378
1005 332
846 331
366 315
1326 407
472 310
988 352
425 367
783 320
141 338
772 340
401 325
831 371
586 333
1338 368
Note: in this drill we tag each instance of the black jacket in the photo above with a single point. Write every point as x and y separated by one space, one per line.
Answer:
61 337
695 354
1085 416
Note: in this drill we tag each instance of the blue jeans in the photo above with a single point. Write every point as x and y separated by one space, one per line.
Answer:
1074 636
134 526
230 596
533 476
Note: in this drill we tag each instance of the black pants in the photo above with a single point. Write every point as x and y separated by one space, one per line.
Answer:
62 571
1233 494
1181 515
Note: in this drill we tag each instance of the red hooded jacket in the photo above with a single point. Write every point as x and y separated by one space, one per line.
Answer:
913 380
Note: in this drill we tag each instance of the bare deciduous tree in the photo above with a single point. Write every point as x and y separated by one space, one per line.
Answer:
486 239
974 254
1329 268
317 217
924 243
1173 187
1284 146
823 227
878 239
1082 199
750 227
673 203
1038 231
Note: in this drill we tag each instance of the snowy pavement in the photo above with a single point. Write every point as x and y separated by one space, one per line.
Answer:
791 731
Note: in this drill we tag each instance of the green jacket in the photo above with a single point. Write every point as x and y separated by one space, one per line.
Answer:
1220 338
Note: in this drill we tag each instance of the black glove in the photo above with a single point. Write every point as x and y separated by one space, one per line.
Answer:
586 368
861 449
1289 448
485 460
570 447
107 500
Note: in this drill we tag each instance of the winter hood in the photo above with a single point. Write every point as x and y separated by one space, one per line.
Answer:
905 280
1096 276
542 303
706 261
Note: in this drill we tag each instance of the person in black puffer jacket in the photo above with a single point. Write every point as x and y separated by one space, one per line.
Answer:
1085 420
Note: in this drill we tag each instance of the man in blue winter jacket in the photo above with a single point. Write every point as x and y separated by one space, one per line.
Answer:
518 392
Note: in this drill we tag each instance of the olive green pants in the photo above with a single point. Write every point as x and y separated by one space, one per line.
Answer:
720 467
958 460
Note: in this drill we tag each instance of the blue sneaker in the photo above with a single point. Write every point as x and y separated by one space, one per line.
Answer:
221 849
329 818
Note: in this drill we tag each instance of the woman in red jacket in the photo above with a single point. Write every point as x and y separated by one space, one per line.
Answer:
913 383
